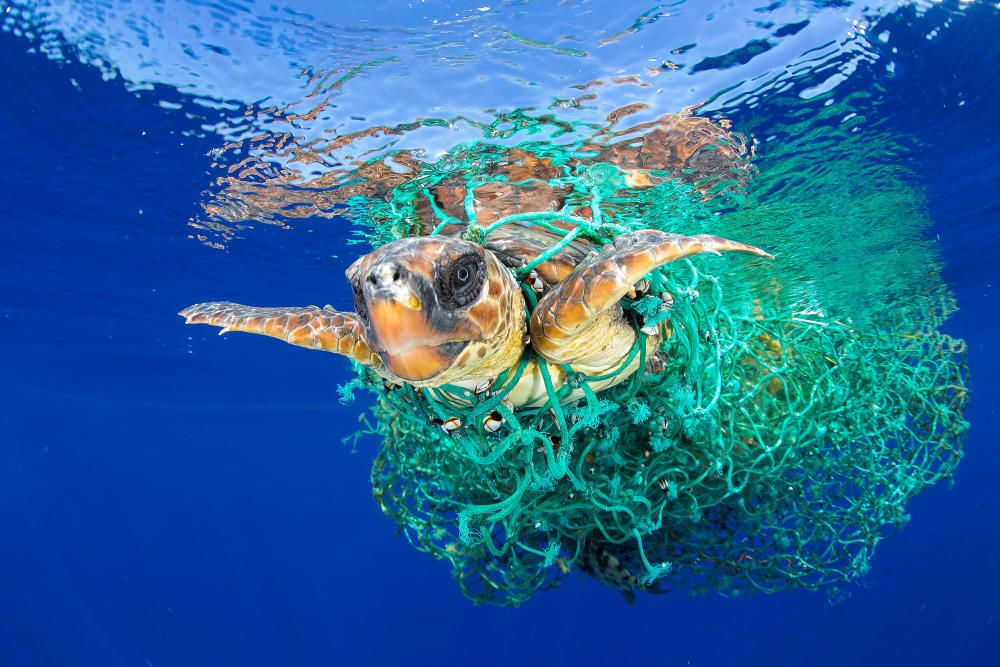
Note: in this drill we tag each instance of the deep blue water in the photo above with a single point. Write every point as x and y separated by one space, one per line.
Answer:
167 499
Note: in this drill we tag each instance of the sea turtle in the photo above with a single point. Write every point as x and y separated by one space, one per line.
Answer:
436 310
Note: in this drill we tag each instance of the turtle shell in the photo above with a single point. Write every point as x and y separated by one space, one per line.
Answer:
691 149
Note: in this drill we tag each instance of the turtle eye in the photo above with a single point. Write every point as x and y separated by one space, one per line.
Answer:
461 283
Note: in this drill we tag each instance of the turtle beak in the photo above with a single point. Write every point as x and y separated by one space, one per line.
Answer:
411 335
402 324
395 311
397 325
409 346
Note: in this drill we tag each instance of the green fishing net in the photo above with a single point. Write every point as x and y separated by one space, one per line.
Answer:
776 447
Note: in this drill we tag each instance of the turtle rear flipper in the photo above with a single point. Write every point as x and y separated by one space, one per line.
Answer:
312 327
605 564
578 321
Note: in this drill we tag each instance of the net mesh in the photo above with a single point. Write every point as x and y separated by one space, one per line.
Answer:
774 449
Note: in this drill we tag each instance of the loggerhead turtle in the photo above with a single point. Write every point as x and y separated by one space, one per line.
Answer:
431 311
438 310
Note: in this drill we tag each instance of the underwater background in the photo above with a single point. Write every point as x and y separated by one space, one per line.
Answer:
173 498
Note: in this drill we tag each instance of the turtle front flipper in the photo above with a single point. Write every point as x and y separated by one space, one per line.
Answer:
313 327
580 322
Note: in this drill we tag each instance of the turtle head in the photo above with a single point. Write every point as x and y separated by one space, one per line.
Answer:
431 304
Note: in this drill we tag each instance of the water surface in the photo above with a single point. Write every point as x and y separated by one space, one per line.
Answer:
174 498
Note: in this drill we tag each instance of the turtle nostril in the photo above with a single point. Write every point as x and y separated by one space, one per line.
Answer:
385 275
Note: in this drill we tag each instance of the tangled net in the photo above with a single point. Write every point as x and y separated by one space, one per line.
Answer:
774 450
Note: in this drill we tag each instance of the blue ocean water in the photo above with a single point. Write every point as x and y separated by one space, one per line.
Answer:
172 498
